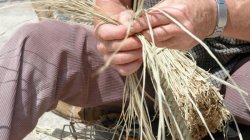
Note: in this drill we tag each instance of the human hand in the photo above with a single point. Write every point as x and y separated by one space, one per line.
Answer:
111 38
198 16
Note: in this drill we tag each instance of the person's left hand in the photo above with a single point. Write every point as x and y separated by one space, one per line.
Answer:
111 38
198 16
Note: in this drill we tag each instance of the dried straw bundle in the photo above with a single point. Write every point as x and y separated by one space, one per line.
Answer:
54 10
185 100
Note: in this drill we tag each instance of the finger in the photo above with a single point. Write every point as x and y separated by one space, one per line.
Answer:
128 69
155 18
126 17
101 48
163 33
130 43
124 57
110 32
177 43
171 43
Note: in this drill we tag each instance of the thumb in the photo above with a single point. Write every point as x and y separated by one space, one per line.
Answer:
126 17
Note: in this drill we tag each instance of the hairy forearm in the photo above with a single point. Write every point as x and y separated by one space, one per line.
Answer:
238 25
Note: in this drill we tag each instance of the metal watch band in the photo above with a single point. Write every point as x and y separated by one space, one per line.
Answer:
222 18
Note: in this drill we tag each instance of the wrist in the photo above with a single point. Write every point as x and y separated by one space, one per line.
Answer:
213 16
235 14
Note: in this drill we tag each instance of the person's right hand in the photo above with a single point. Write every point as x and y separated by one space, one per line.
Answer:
111 37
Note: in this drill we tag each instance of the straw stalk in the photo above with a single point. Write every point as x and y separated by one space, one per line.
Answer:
185 101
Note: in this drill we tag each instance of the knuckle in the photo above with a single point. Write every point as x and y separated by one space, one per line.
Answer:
189 25
184 8
101 48
123 72
135 42
177 31
116 45
155 37
120 69
146 34
160 45
158 35
117 59
137 26
138 45
126 16
105 57
182 12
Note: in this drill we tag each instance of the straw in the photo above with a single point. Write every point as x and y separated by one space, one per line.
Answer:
185 100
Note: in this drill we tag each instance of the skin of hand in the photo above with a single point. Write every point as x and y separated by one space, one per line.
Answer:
197 16
111 38
238 22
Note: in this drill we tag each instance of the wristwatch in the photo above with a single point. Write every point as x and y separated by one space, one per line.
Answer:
221 18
